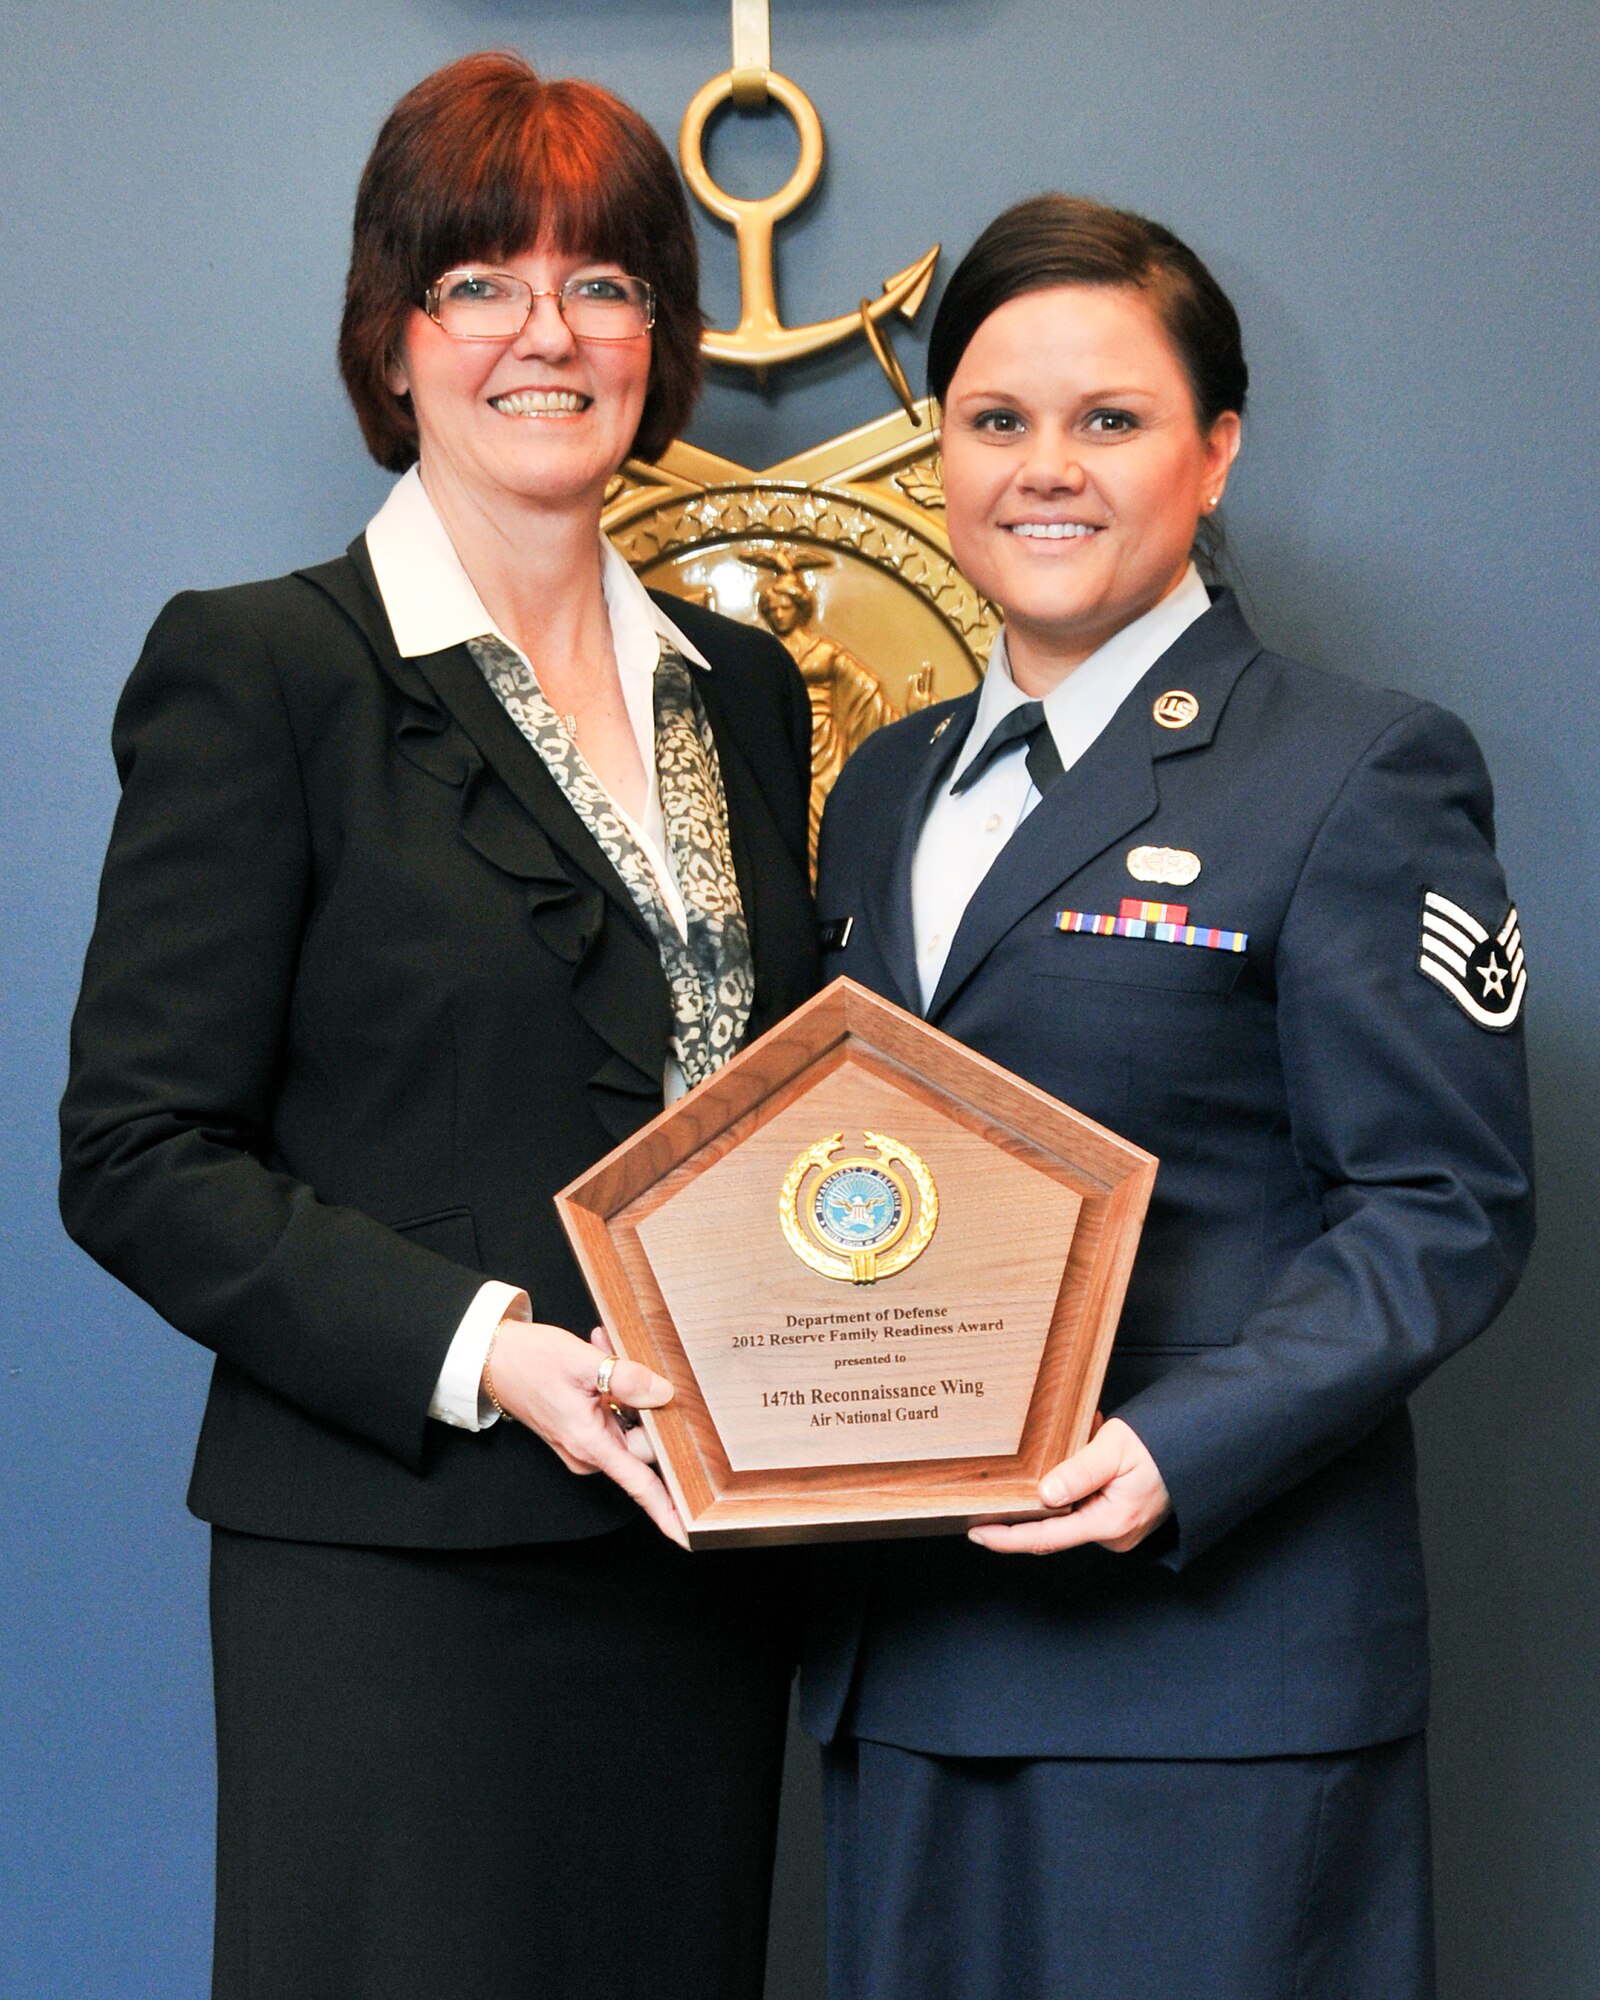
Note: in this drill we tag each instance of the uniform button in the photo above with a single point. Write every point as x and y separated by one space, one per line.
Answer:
992 823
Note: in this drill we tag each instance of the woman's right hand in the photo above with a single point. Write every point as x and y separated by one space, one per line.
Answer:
547 1379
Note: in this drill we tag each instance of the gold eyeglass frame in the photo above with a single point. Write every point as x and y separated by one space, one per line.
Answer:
430 304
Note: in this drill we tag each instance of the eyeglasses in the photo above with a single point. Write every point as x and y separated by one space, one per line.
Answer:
493 305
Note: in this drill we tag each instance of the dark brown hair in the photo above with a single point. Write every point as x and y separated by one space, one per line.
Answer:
1062 239
484 160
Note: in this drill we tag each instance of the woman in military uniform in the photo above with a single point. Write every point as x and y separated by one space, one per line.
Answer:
1248 914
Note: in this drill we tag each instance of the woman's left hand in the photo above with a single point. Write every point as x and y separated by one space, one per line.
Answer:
633 1434
1110 1492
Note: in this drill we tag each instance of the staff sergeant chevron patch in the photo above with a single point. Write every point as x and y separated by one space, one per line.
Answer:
1485 976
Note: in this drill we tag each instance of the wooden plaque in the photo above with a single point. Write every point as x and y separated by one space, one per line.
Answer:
881 1273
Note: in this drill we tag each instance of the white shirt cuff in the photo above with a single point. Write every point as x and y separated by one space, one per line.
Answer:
458 1396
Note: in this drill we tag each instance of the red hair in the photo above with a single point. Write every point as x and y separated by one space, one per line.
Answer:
484 160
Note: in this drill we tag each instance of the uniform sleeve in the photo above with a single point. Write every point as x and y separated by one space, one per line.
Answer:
1409 1117
168 1176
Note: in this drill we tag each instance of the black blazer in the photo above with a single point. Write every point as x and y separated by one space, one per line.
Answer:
362 994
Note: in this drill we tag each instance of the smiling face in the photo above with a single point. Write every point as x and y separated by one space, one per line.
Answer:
1075 470
541 421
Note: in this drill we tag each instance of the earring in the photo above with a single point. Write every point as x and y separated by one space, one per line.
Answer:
1216 500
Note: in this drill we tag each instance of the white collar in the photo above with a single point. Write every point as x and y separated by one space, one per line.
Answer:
432 604
1079 705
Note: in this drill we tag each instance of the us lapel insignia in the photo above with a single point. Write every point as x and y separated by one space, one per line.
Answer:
1484 975
939 728
1175 865
1175 709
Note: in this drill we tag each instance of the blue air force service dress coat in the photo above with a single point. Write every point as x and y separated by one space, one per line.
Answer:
1321 1040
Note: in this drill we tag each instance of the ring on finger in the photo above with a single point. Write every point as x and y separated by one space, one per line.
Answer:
602 1380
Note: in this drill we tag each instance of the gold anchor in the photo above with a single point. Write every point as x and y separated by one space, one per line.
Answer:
840 549
761 340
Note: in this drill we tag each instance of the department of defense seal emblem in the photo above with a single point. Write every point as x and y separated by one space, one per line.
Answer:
861 1218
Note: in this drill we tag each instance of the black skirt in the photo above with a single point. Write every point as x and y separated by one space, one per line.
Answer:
551 1769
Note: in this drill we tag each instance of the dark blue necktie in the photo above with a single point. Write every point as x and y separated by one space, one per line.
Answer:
1025 724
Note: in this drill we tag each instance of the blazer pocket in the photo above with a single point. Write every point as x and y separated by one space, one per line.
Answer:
449 1231
1122 961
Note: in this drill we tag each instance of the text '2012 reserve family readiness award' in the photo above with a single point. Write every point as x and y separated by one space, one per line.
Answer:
881 1273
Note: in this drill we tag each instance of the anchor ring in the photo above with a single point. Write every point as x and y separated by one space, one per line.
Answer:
691 150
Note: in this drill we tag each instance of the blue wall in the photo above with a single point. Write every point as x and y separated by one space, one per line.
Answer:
1400 198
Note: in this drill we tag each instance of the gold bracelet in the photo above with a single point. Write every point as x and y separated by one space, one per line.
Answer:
488 1380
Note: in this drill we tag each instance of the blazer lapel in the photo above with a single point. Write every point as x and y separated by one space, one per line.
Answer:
1110 790
618 986
349 580
455 681
752 831
886 892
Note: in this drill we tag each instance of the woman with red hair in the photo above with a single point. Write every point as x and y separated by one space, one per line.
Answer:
437 868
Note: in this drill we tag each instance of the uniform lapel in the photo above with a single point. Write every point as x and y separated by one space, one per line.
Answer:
886 891
1112 789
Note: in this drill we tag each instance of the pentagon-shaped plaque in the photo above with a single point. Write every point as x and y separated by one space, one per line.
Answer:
882 1274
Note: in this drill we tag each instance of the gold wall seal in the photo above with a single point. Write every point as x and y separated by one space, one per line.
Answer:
857 1219
841 551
